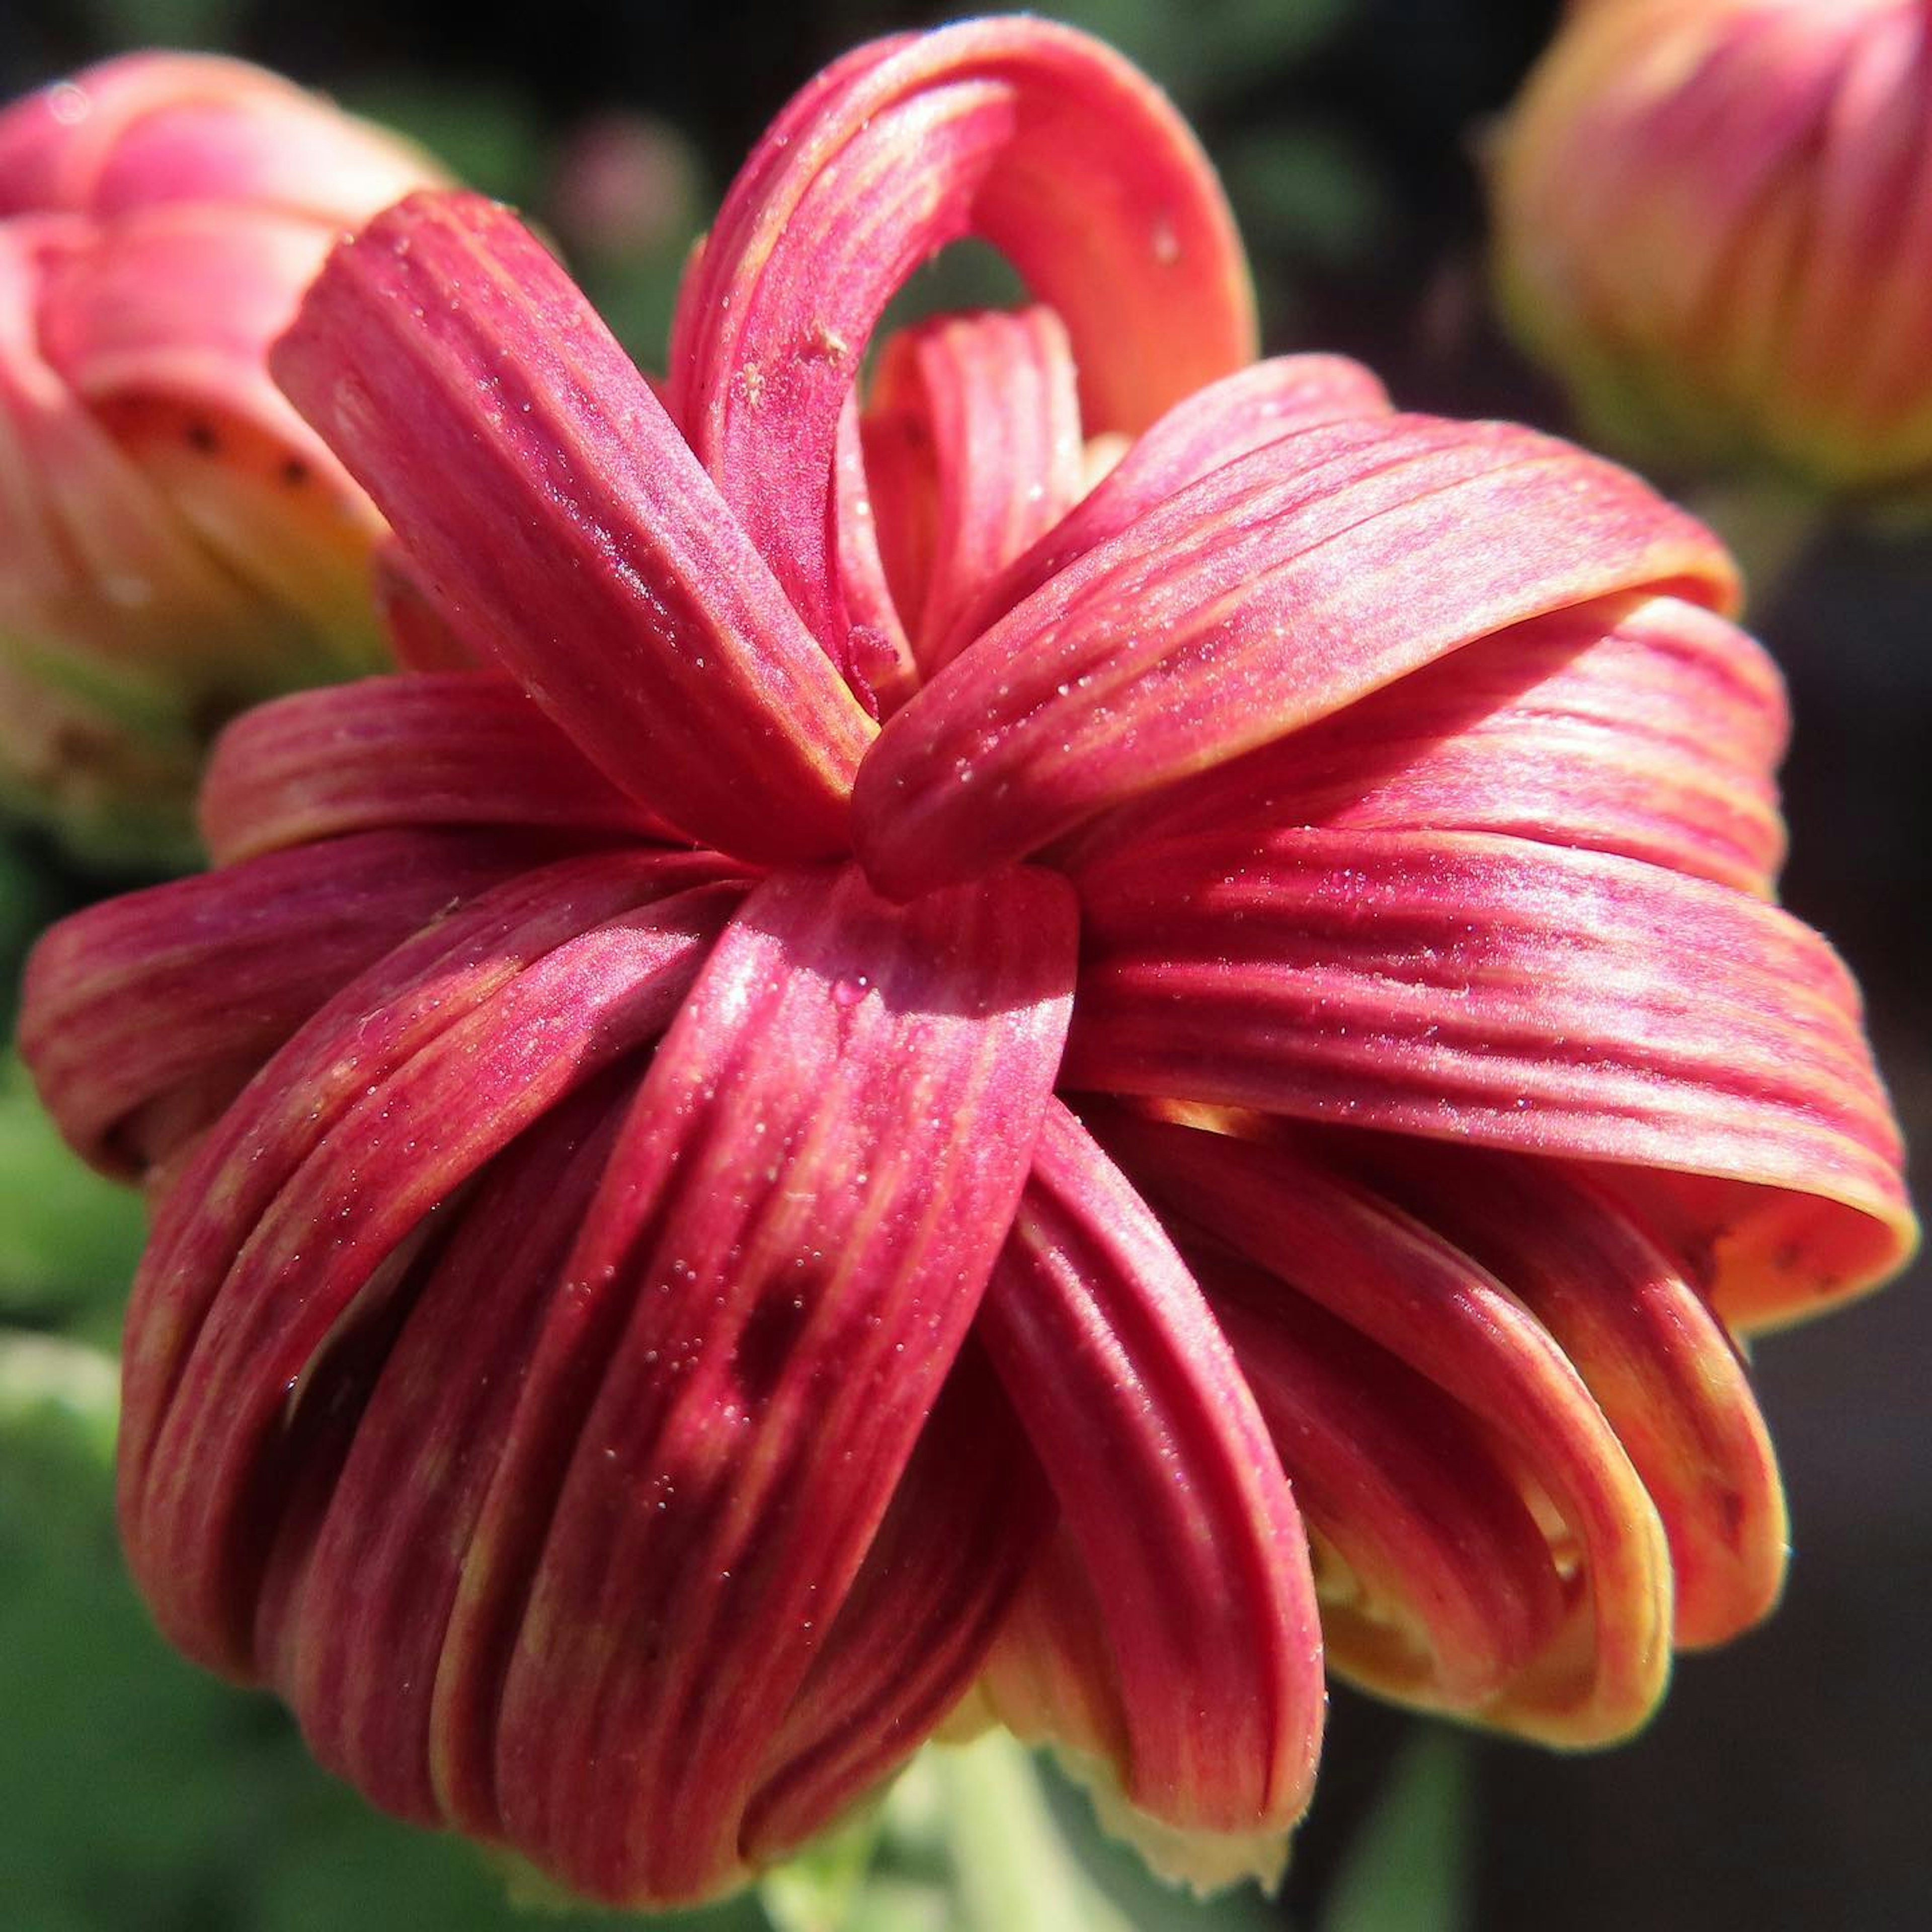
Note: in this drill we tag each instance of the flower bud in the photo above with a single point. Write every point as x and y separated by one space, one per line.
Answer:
1714 222
175 542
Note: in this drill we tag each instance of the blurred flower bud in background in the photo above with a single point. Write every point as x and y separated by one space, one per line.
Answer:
1714 223
175 542
625 184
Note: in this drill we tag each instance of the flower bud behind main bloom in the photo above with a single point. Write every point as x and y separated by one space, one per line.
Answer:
932 1092
175 541
1714 220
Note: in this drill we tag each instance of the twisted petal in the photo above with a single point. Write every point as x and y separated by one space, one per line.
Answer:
1476 987
437 748
1175 1500
784 1257
586 550
1278 589
1435 1309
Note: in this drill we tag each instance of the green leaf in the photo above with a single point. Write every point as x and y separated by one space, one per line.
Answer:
69 1239
1410 1867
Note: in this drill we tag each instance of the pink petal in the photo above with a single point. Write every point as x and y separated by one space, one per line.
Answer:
149 127
1647 727
440 748
1276 590
548 501
1172 1492
421 1070
786 1255
992 398
1034 136
1659 1363
1345 1249
1200 433
1471 987
141 1017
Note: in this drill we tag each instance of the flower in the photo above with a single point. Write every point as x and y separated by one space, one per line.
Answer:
1714 221
175 541
935 1092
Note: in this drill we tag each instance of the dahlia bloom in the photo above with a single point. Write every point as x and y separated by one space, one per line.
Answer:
175 541
935 1089
1714 222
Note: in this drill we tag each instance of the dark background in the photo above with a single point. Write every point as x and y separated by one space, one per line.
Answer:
1785 1788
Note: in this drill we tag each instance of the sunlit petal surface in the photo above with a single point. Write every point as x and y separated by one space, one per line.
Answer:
1059 1038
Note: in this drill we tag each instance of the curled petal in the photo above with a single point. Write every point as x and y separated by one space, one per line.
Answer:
1172 1494
586 550
1227 420
992 398
141 1017
786 1254
1473 987
1347 1249
1034 136
1646 726
274 1252
1437 1585
436 748
1657 1360
1278 589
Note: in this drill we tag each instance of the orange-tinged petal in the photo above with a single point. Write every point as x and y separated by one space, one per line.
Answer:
1474 987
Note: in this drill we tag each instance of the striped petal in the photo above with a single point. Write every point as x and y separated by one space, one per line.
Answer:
1478 988
1227 420
1032 136
1173 1496
421 1070
585 548
143 1016
1659 1363
785 1256
1647 727
448 748
1347 1249
992 397
1278 590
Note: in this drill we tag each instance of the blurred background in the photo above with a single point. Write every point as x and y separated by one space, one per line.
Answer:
1787 1782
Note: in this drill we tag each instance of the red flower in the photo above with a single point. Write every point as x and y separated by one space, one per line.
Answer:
841 1123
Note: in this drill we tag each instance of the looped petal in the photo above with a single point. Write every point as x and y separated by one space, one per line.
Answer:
1173 1496
1033 135
586 550
1278 590
784 1257
1424 1301
1472 987
436 748
143 1016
